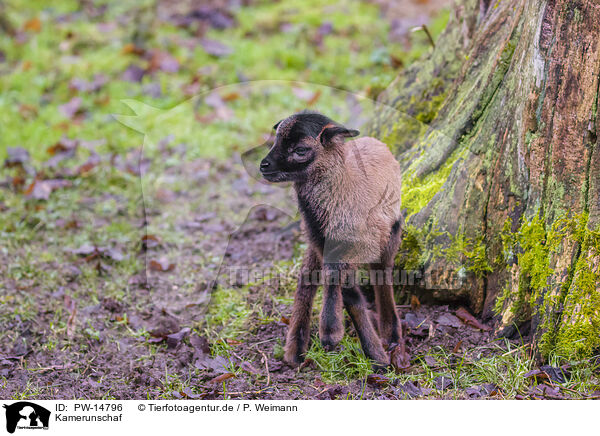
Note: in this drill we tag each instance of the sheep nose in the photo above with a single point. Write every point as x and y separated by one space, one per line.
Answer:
264 165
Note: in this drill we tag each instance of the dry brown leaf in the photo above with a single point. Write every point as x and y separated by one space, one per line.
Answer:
414 302
470 320
458 346
162 265
221 378
378 380
33 25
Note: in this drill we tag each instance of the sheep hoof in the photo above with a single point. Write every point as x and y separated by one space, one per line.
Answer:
329 344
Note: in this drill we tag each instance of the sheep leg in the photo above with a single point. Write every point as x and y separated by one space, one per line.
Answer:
331 327
356 306
298 336
390 328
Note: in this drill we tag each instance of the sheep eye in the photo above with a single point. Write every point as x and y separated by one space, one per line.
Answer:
301 151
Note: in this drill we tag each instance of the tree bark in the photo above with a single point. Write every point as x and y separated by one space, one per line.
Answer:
502 167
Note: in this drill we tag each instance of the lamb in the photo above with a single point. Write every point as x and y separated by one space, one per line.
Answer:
349 199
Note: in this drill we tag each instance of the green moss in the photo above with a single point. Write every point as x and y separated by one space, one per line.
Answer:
569 311
497 78
420 246
579 331
417 192
415 116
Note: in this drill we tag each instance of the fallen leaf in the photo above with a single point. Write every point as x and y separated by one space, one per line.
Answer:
150 241
175 339
187 392
378 380
222 112
443 382
231 96
450 320
430 360
537 374
112 253
457 347
28 111
38 190
470 320
62 146
17 156
414 302
163 61
71 108
84 249
545 391
248 367
33 25
82 85
200 344
490 389
162 265
89 165
410 389
221 378
131 48
41 189
215 48
559 375
163 324
473 392
133 73
218 364
333 392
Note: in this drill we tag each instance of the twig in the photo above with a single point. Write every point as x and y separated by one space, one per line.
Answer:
516 349
262 342
52 368
424 28
267 368
260 391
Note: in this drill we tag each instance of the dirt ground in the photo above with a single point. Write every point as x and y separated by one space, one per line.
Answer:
173 361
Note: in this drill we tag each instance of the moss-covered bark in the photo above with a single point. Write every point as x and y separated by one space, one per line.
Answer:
502 168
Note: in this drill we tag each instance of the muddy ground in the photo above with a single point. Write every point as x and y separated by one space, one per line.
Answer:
154 344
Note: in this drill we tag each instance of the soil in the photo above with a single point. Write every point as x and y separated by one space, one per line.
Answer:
123 364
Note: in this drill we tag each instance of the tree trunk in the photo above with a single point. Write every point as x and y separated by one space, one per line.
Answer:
502 168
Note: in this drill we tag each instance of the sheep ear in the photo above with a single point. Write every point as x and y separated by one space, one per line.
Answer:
277 125
329 132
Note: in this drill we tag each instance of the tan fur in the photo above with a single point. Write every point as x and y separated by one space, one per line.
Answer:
355 191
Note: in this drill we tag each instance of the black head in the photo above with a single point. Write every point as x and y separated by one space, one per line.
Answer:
299 140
